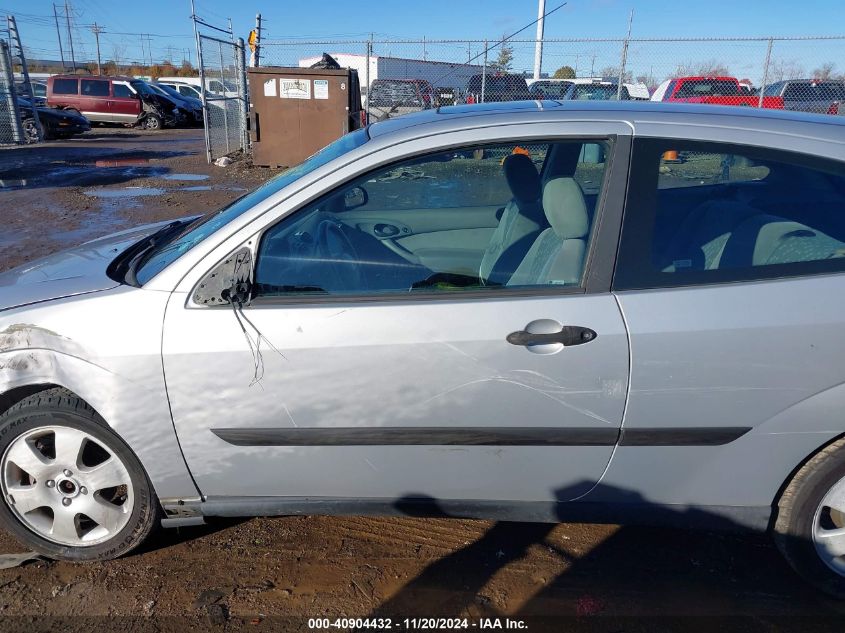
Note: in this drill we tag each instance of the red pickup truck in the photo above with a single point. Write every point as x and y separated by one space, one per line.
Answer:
711 90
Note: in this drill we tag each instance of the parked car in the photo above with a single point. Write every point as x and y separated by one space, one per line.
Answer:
497 87
190 106
427 92
175 116
54 123
39 90
105 99
184 89
447 95
810 95
221 87
397 293
389 98
713 91
548 88
603 90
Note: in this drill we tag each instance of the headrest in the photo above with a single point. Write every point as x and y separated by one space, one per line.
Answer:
522 178
565 208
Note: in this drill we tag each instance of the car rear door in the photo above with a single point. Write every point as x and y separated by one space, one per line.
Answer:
454 392
94 95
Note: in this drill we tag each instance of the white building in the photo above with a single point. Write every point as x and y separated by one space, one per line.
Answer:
439 74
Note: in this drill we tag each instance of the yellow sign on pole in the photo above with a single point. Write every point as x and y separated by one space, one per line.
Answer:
253 36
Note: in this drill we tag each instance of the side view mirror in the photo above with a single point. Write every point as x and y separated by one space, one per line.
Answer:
229 281
354 198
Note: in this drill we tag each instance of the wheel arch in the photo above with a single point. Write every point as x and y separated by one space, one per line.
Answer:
139 415
10 398
794 472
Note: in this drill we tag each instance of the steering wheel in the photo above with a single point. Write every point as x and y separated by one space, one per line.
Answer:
336 249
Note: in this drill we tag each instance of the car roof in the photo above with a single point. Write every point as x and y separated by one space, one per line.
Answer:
631 112
101 77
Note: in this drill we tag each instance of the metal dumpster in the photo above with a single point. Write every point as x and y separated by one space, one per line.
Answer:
295 112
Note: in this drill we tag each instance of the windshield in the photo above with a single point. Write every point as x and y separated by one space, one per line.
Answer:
168 90
167 252
142 87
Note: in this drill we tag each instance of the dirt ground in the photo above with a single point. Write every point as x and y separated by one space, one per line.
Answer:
274 574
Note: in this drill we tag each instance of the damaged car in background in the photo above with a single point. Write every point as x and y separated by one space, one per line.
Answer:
539 311
107 99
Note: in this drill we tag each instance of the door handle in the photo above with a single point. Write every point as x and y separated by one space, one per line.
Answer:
568 335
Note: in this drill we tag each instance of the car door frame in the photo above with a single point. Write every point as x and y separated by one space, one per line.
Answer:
183 275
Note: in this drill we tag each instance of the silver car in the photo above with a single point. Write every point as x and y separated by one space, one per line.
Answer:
533 311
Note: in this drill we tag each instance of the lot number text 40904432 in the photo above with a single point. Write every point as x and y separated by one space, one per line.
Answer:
416 624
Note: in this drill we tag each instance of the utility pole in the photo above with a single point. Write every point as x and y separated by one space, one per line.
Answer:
70 35
624 58
538 46
257 54
96 29
59 34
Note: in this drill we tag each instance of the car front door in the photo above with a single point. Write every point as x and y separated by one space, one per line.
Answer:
125 103
360 370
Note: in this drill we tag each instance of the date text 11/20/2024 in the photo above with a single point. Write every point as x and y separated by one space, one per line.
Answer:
415 624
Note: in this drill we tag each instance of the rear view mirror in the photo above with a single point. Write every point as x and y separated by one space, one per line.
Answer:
354 198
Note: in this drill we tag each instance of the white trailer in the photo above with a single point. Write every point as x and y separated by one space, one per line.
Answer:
439 74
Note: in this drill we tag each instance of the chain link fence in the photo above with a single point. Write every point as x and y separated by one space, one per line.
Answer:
224 93
11 124
399 76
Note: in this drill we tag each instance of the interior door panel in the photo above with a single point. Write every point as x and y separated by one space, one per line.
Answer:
448 240
458 251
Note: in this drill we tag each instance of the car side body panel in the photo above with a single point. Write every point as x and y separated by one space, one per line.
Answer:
105 347
766 355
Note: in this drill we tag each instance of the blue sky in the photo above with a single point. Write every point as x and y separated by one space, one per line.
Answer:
169 26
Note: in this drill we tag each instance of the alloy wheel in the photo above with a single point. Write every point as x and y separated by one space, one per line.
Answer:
829 528
66 485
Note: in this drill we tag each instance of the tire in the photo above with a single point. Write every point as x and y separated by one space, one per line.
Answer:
152 122
801 513
30 131
55 524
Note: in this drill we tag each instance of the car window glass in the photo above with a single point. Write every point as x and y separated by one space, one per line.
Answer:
678 168
167 252
457 221
394 93
727 213
594 92
92 88
707 87
65 86
215 86
121 90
